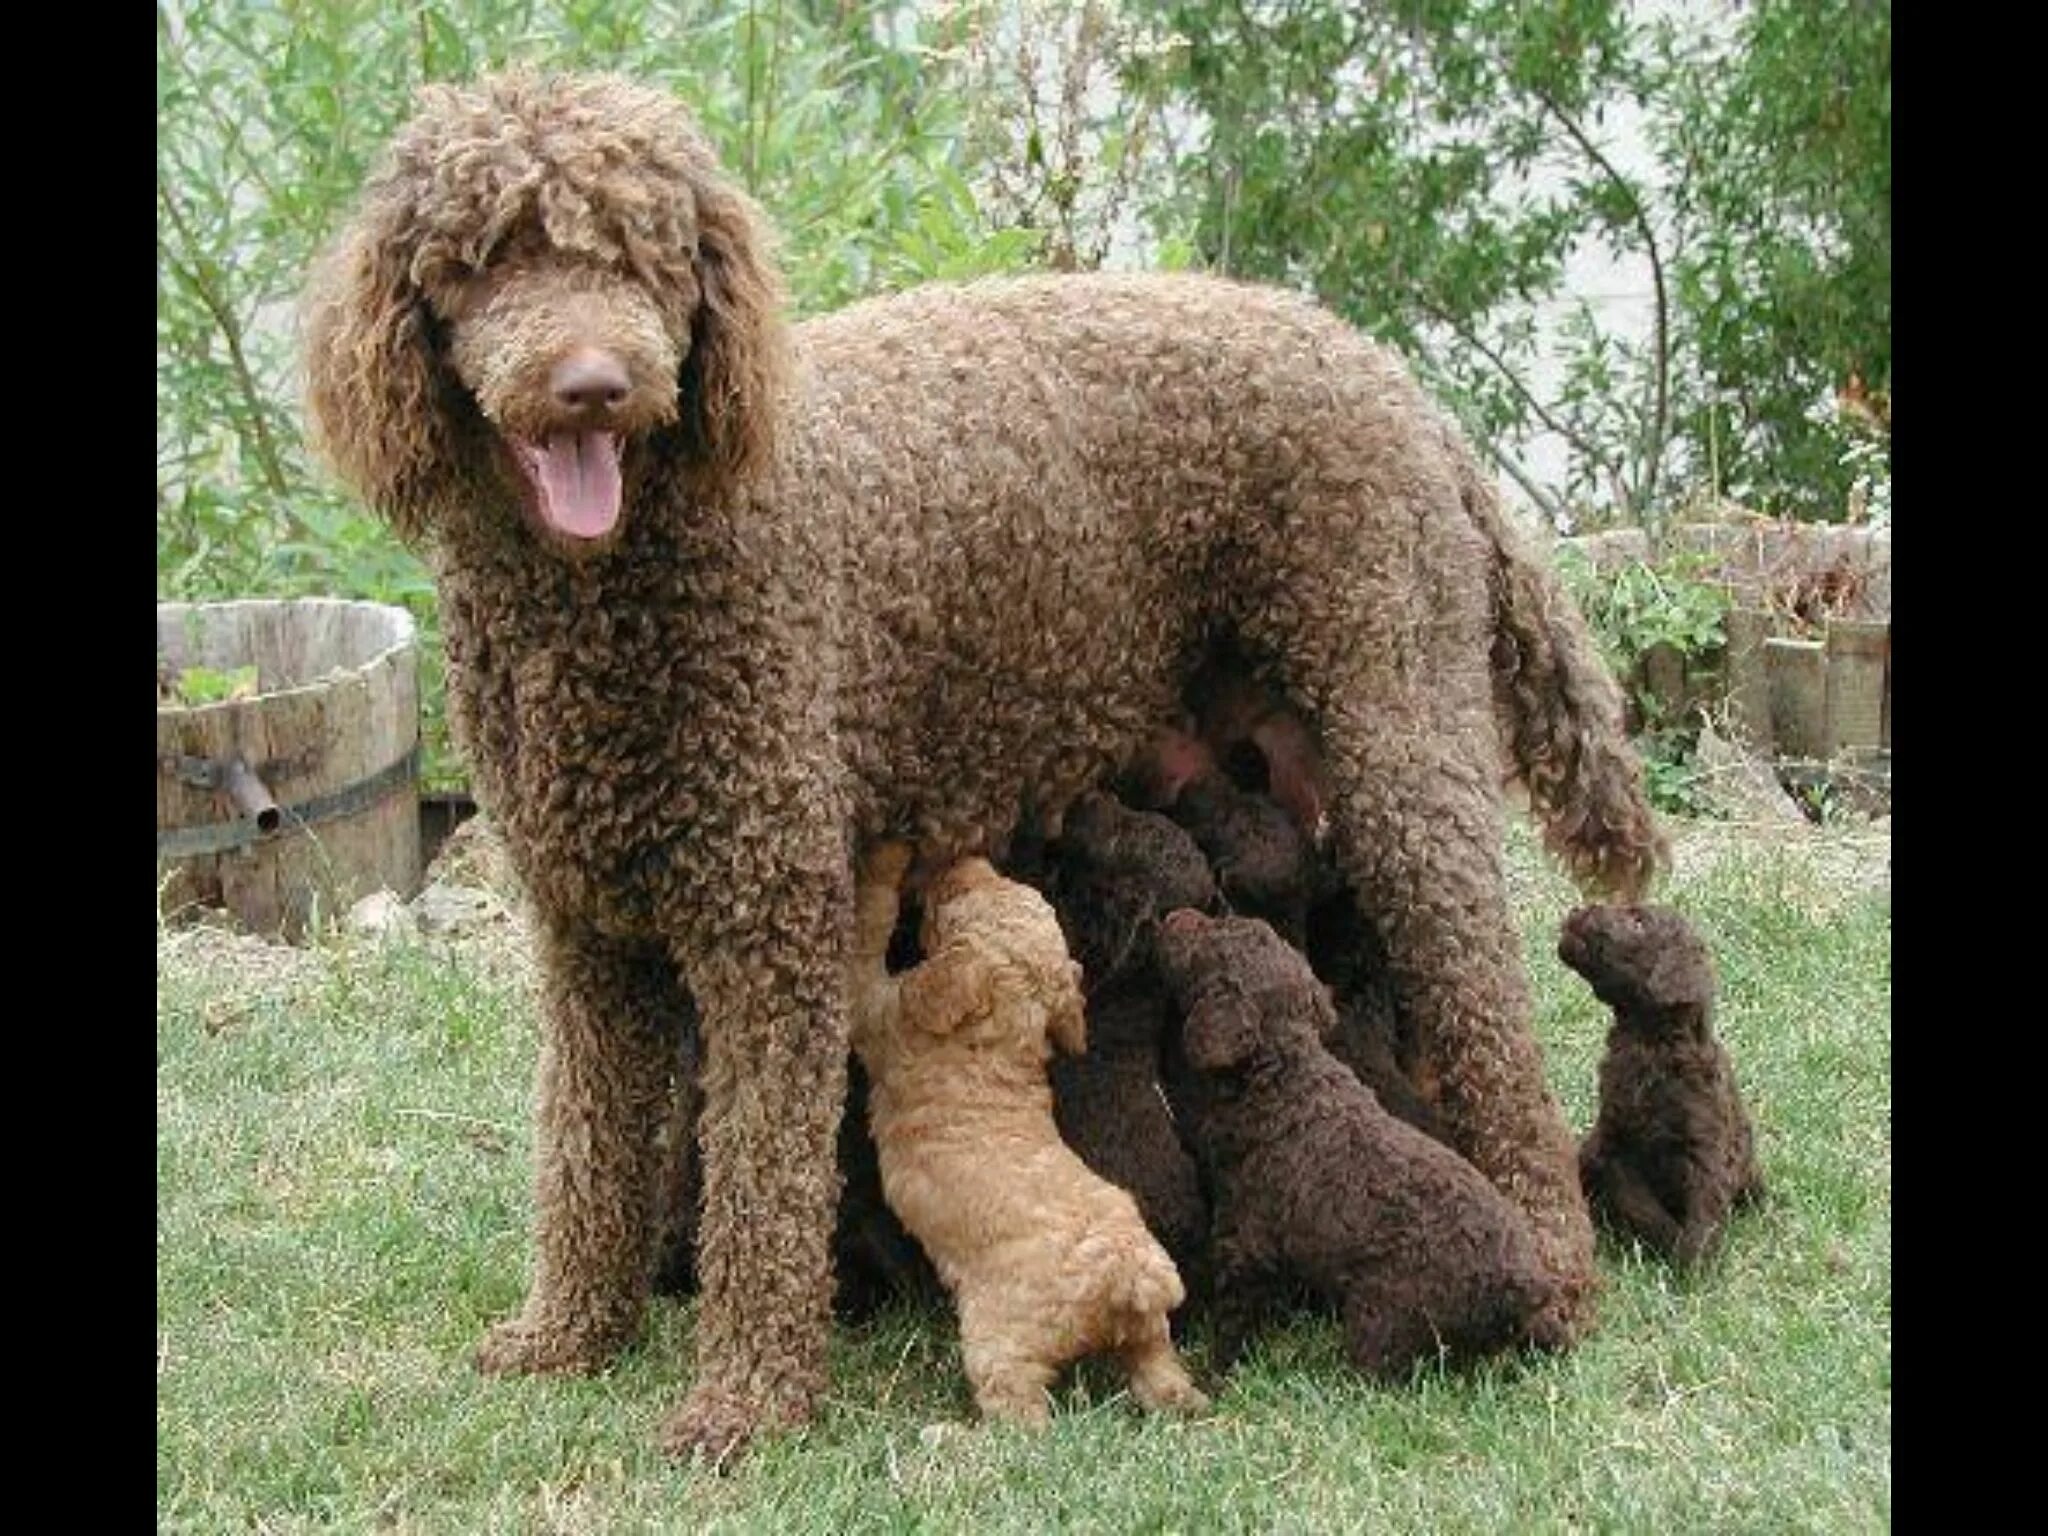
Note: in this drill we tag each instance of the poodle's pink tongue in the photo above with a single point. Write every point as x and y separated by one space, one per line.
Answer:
577 475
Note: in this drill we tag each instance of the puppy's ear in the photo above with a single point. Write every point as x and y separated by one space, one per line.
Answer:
738 352
949 987
380 403
1068 1020
1218 1035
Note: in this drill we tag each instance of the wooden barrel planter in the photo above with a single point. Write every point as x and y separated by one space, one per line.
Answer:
290 803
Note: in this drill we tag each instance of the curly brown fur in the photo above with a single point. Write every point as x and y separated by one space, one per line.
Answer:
1046 1261
1561 716
1673 1151
725 600
1372 1037
1316 1185
874 1261
1111 876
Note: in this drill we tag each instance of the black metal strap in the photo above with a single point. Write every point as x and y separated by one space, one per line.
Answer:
226 836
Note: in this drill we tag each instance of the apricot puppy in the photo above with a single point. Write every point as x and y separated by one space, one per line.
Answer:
1046 1262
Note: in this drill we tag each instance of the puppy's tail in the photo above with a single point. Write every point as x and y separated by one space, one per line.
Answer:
1560 710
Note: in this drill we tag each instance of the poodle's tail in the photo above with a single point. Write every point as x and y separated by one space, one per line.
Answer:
1561 715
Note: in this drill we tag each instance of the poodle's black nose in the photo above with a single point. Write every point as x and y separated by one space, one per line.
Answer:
589 381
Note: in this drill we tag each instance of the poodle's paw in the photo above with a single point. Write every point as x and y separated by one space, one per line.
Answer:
713 1426
517 1347
1160 1381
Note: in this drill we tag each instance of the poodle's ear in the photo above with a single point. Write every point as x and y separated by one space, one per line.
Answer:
379 402
1068 1023
738 352
1218 1035
949 987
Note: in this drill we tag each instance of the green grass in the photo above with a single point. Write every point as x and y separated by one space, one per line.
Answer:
342 1209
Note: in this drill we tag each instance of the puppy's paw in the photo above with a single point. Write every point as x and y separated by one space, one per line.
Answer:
1182 1396
1162 1385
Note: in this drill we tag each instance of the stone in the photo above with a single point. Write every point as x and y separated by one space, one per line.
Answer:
1738 783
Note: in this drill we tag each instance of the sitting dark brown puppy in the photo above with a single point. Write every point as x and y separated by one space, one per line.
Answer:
1673 1151
1314 1184
1111 876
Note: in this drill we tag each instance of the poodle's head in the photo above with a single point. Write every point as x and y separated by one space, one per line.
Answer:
1115 873
1646 962
995 964
549 289
1245 996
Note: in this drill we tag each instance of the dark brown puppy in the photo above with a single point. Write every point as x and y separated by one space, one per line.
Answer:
1268 867
1111 876
1265 865
1313 1183
1673 1151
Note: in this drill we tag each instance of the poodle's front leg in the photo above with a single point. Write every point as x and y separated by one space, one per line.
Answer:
772 1010
612 1013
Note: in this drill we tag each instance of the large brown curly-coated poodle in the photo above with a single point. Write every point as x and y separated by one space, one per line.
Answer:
727 599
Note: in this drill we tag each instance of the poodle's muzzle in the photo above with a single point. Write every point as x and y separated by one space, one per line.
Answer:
572 366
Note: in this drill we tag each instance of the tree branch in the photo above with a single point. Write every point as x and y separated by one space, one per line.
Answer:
1657 431
1547 503
1552 508
190 273
1464 333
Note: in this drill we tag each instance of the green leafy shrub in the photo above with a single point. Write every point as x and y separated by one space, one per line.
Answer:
1636 609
